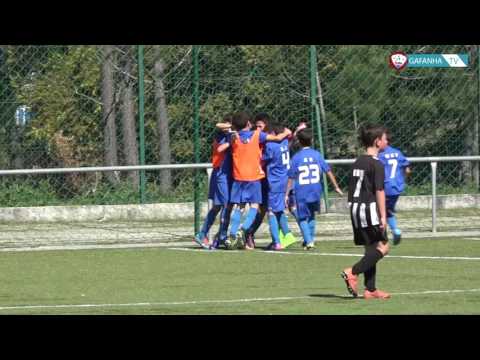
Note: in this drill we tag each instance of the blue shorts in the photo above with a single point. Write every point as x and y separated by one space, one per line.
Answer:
219 188
391 203
307 210
244 192
276 201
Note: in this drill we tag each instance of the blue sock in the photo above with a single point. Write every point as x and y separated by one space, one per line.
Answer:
307 238
209 220
272 220
247 224
224 222
235 221
283 221
311 225
392 222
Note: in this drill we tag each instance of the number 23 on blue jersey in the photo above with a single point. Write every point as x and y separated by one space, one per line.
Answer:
309 174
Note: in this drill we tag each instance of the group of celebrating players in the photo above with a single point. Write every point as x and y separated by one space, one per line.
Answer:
255 175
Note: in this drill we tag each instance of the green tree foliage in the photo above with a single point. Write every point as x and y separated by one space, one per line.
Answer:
61 86
431 112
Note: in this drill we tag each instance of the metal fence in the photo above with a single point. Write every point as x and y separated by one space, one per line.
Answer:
127 105
426 216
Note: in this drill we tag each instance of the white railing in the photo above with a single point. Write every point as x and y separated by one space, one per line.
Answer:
207 166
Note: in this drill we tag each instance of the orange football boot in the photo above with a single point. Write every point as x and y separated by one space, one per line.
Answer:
377 294
351 281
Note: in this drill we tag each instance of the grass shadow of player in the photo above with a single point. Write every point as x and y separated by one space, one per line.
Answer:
333 296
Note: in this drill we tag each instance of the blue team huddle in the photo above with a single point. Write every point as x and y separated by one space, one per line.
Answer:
260 169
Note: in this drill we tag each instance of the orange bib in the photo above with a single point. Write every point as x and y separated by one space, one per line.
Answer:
247 159
217 158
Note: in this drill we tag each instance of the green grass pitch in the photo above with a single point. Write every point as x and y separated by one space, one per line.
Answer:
425 276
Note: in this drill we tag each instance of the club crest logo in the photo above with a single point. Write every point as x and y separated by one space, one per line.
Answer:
398 60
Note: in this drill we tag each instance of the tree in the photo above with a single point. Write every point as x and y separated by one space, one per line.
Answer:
130 144
108 100
163 132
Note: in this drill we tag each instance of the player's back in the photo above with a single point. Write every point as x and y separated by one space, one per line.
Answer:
366 177
277 158
306 169
394 163
247 155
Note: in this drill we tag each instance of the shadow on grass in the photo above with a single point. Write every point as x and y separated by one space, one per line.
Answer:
332 296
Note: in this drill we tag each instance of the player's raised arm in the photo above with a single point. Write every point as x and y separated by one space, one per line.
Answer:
286 132
224 126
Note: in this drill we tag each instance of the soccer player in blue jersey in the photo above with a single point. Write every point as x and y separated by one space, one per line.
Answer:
247 174
261 121
397 167
294 148
305 175
276 157
219 188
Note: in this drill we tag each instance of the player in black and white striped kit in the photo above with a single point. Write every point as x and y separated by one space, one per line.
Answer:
366 198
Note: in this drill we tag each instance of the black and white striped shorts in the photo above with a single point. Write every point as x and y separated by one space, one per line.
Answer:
366 223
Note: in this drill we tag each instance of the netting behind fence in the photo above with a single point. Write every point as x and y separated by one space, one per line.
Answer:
71 105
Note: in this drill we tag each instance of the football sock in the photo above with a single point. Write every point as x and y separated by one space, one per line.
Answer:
224 221
367 261
311 225
307 238
247 224
370 278
283 221
273 222
210 219
235 221
392 222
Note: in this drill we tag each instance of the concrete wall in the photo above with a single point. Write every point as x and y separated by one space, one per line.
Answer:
179 211
406 203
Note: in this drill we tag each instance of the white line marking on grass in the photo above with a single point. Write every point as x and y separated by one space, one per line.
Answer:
199 302
436 292
333 254
193 302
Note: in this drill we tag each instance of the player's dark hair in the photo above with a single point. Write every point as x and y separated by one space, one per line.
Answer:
367 134
274 127
262 117
389 135
228 118
305 137
240 120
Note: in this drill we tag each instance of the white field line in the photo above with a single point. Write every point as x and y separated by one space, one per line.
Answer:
199 302
333 254
87 247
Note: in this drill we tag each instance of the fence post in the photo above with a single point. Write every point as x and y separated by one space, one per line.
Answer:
141 115
196 136
476 148
434 196
210 202
316 114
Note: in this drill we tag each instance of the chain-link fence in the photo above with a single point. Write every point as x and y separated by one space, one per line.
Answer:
430 112
71 105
